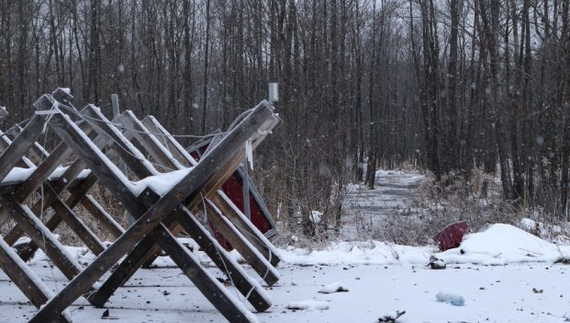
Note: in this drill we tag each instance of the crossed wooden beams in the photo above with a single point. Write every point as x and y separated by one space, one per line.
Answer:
161 213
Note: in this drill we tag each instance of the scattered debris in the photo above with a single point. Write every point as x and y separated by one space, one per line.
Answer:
436 263
537 291
333 288
308 305
105 314
392 317
563 260
451 236
452 299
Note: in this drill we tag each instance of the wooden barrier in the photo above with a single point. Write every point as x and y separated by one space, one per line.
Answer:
161 212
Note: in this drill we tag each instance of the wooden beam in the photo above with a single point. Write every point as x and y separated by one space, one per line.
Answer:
50 195
42 237
112 226
18 148
125 149
107 173
161 155
149 141
169 141
20 145
26 280
78 227
215 292
251 255
254 236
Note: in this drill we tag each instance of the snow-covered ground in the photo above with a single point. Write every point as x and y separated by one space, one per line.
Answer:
502 274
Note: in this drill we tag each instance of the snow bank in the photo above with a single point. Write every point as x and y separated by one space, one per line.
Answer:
501 244
367 253
498 244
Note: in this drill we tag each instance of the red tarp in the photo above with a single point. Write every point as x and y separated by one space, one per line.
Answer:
233 188
451 236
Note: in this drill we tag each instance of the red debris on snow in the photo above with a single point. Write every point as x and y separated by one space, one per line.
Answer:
451 236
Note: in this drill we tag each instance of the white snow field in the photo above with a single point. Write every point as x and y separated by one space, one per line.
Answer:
504 275
501 274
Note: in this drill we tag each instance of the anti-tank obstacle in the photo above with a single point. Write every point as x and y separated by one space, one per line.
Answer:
161 212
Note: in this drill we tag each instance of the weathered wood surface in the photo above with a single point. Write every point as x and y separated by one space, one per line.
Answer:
78 227
18 148
149 141
177 151
240 221
22 276
21 144
30 284
39 177
250 253
99 213
205 176
42 237
50 196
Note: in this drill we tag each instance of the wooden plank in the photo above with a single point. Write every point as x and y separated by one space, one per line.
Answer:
134 260
261 265
5 142
49 197
78 226
254 236
253 293
158 152
42 237
40 174
20 145
76 196
12 155
112 226
206 175
169 141
144 249
47 167
148 141
125 149
107 173
22 276
73 171
215 292
26 280
65 180
37 153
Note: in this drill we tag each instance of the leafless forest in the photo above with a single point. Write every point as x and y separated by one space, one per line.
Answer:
449 86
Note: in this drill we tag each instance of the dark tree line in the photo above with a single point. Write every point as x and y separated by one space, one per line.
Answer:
448 85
